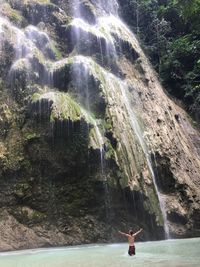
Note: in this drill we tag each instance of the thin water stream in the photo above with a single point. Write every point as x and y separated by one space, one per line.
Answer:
108 26
136 128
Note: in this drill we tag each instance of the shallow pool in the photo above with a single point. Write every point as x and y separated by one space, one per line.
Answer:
170 253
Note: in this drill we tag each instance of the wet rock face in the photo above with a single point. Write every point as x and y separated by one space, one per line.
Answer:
6 57
35 10
87 43
164 177
85 131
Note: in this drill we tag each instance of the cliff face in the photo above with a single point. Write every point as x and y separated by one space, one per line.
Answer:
89 141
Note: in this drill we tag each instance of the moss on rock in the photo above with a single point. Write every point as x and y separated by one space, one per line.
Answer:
13 14
63 107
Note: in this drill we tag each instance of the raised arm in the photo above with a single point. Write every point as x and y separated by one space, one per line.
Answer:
138 232
121 233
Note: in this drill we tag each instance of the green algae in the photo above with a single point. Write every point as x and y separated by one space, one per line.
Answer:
42 2
31 136
12 14
63 106
56 51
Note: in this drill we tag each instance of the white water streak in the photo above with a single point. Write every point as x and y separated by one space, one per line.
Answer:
111 84
107 26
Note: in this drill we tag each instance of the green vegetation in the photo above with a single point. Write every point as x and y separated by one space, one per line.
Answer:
11 13
63 106
169 31
37 1
56 51
35 97
31 136
110 152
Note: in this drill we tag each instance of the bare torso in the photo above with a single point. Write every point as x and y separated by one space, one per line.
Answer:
131 240
131 236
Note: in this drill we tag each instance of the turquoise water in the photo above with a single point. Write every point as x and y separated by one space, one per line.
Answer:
170 253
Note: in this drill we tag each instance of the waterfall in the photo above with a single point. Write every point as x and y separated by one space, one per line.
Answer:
136 128
107 27
31 47
116 24
110 7
33 50
81 80
100 144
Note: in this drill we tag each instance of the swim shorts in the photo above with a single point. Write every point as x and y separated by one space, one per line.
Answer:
131 250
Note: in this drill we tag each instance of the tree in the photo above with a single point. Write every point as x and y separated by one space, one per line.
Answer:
169 32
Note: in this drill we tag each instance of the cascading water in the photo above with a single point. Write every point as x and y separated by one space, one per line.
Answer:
135 125
136 128
107 27
33 45
84 123
28 43
111 7
81 76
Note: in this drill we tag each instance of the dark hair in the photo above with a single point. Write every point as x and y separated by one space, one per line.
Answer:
131 232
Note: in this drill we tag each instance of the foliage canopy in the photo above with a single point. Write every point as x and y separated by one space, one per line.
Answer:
169 31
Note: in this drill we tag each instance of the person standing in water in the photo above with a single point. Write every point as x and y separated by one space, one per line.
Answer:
131 239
